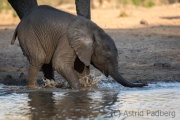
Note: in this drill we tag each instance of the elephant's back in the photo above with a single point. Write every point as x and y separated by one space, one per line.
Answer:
43 27
51 22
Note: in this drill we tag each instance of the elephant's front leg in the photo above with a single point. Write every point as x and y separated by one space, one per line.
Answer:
66 70
31 80
63 63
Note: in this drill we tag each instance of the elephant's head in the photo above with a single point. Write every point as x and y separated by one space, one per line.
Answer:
93 45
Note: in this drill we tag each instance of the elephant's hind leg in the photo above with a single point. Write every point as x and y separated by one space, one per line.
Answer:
48 71
31 81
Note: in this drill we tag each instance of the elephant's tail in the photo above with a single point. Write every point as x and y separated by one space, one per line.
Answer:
14 37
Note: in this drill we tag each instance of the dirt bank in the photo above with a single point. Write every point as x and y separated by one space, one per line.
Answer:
147 51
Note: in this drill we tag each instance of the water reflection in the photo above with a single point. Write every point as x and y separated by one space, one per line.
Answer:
71 105
42 105
14 107
109 104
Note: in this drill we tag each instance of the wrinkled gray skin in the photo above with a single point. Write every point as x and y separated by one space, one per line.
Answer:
22 7
83 8
58 39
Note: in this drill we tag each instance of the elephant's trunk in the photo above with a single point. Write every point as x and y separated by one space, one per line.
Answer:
117 76
23 6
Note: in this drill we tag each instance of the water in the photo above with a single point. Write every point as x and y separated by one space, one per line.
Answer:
157 102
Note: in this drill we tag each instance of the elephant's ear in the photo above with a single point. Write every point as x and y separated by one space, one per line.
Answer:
80 38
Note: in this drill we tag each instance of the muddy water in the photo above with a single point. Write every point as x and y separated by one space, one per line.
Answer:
110 101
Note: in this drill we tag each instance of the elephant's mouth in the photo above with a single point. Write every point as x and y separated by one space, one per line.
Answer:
102 68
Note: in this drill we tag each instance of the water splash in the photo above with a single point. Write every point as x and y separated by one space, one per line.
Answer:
1 86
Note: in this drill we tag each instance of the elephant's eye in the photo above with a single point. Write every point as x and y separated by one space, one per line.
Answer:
107 57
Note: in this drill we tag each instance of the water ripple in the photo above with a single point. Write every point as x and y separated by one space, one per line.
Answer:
157 101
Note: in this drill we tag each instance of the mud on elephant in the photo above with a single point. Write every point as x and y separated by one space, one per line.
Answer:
58 39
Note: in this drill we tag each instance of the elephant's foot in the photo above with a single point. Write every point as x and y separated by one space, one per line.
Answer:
32 87
31 81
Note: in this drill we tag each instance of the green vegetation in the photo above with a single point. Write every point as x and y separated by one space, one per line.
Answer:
14 14
136 2
144 3
54 2
123 14
4 5
124 2
149 4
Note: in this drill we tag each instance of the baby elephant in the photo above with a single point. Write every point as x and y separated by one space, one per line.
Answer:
56 39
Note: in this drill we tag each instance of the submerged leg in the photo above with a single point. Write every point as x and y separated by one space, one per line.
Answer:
31 80
63 63
66 70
